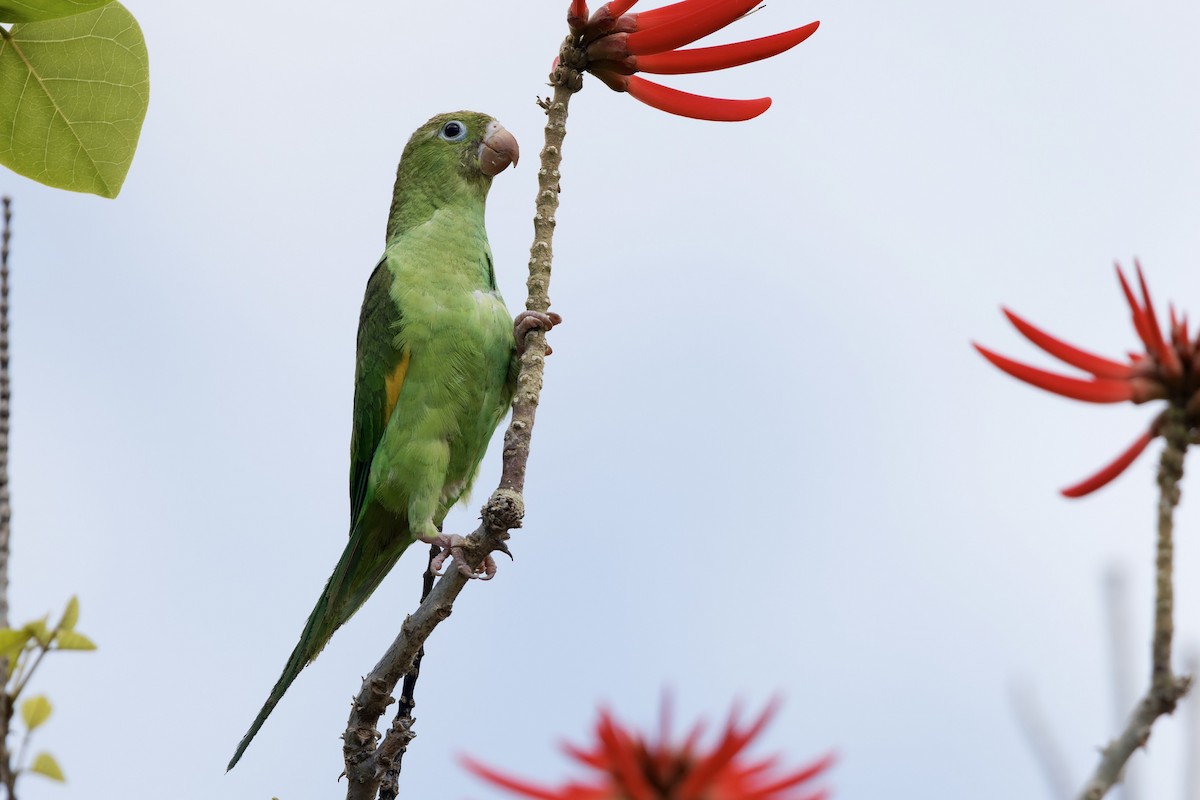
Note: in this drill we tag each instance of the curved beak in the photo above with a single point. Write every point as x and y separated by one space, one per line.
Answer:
498 150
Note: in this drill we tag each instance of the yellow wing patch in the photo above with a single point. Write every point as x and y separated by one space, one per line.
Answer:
393 383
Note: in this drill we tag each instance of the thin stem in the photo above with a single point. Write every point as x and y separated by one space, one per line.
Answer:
5 399
27 673
1170 472
7 774
366 764
1116 601
1041 741
1165 688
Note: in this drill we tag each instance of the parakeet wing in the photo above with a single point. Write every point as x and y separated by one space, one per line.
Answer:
379 374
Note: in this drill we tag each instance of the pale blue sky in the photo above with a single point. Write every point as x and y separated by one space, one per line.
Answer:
766 461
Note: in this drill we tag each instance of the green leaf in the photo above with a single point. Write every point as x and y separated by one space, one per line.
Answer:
35 711
12 642
73 94
34 10
73 640
70 616
38 630
44 764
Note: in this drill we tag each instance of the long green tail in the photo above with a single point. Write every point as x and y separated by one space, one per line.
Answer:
360 570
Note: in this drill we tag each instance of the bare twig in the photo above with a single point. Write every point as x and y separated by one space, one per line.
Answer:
397 745
7 773
5 399
1116 601
1165 688
1041 741
367 765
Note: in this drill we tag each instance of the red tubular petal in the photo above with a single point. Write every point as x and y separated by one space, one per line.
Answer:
707 59
511 784
623 759
591 759
1165 355
695 106
664 15
607 18
796 778
1089 362
1148 306
613 80
1097 390
1177 328
732 743
609 48
694 20
1139 316
1112 470
577 16
626 66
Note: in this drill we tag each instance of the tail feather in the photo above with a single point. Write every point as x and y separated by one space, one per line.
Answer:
360 570
306 650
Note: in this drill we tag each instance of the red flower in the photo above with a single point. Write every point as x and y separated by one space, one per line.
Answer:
632 768
1169 369
616 45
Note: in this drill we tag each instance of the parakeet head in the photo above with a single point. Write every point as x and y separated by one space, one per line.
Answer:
449 161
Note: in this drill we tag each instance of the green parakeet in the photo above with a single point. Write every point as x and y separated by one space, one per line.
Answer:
436 368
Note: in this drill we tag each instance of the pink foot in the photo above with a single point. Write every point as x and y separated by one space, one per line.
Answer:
528 321
452 545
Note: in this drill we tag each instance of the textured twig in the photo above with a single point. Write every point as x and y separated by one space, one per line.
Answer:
366 765
7 775
1165 688
5 398
395 745
1041 741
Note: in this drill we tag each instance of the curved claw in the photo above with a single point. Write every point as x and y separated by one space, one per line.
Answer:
528 321
452 546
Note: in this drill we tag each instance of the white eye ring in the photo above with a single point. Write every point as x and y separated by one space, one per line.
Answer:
453 131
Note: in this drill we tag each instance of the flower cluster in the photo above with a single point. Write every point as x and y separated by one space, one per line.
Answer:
632 768
616 45
1168 369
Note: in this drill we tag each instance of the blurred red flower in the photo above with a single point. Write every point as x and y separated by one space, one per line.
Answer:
617 45
631 767
1169 369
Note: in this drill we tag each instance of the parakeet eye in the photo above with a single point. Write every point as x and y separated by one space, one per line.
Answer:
453 131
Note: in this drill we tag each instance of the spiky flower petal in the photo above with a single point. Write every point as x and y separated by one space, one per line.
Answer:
614 45
632 767
1169 369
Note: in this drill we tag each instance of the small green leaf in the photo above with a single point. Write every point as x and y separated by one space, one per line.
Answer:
35 711
73 94
73 640
44 764
71 615
38 630
12 642
34 10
